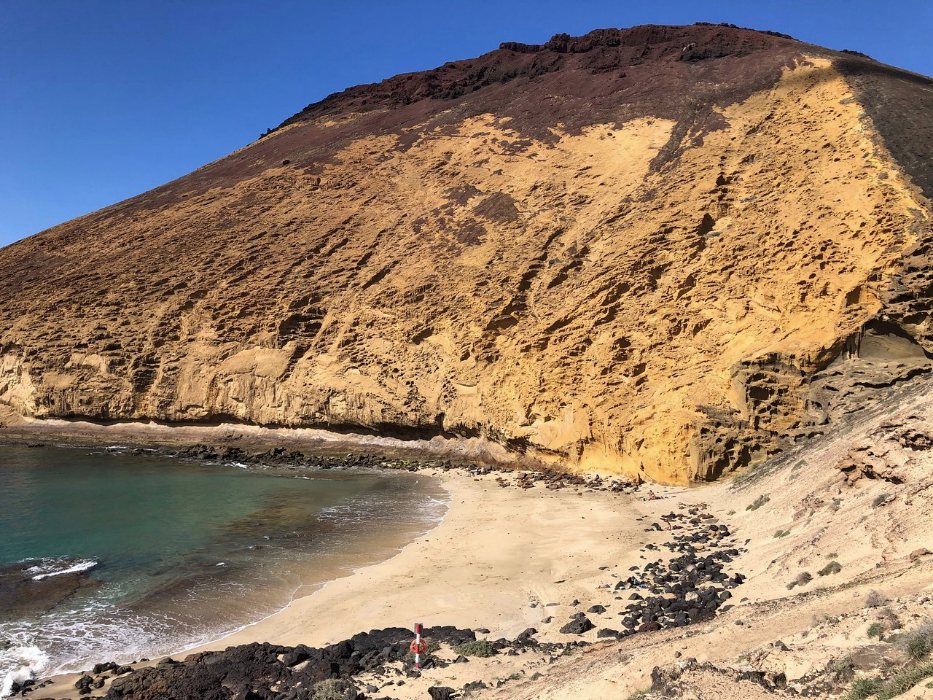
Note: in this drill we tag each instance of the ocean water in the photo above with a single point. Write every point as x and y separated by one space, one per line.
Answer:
108 555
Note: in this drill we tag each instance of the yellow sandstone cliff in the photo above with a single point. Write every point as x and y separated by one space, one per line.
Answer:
664 251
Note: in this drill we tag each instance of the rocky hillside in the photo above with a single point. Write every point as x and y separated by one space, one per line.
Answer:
670 251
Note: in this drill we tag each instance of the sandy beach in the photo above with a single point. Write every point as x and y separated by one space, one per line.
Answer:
503 559
499 557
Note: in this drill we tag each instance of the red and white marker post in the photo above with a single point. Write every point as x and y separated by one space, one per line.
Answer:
418 646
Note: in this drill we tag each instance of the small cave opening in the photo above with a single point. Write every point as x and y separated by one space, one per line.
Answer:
884 341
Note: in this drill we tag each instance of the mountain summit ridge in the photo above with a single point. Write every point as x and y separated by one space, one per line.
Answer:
671 254
616 48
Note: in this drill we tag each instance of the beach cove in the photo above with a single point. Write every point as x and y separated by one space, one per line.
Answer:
129 552
503 558
520 557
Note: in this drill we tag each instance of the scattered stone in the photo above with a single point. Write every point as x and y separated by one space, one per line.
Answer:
526 635
474 685
83 684
577 625
438 692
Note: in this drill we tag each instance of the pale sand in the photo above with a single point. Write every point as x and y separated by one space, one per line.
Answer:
496 553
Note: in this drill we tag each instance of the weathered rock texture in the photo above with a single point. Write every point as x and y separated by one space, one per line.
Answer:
665 250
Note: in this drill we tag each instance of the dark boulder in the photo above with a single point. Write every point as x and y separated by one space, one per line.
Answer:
83 684
577 625
526 635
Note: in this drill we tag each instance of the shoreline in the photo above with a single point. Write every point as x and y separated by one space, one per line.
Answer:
340 559
17 429
490 539
215 644
417 562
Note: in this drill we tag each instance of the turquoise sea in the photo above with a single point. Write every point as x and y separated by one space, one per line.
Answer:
110 555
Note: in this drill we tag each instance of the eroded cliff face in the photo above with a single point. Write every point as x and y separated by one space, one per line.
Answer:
664 251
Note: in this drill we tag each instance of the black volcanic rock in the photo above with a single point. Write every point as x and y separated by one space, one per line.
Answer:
577 625
252 669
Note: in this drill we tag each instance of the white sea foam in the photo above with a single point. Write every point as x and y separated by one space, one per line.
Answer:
56 567
20 663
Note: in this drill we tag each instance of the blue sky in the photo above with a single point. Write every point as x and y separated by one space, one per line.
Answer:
103 99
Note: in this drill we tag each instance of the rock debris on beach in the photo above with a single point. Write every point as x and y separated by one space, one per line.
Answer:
688 588
274 672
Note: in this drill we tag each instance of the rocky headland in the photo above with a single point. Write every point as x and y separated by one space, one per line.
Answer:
664 251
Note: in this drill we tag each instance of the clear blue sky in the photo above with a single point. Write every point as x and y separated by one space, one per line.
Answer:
103 99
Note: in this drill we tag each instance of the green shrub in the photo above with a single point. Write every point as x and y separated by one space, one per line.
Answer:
833 567
331 689
876 629
478 647
862 688
758 502
918 643
880 500
917 647
904 680
782 533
